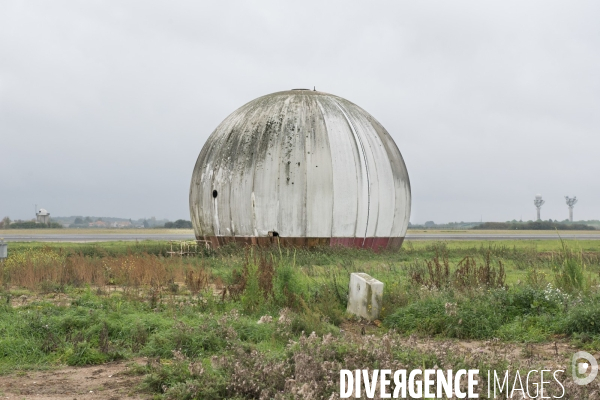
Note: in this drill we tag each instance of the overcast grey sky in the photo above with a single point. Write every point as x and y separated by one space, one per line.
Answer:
104 106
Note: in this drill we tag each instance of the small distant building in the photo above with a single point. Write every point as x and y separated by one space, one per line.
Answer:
121 224
98 224
42 216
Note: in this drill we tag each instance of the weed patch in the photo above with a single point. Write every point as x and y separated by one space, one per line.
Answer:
271 323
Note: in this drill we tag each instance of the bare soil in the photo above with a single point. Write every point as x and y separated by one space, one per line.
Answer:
108 381
555 354
115 380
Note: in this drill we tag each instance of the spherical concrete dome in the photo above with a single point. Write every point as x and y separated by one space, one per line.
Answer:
301 167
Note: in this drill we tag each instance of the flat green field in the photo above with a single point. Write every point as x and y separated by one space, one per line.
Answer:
250 323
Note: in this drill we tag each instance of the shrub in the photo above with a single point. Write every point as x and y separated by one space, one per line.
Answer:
191 340
569 271
536 278
179 224
479 315
469 275
185 379
426 316
431 273
527 300
83 353
530 329
287 288
435 274
583 318
251 298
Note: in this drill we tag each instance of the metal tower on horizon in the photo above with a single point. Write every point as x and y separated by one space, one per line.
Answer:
571 201
538 202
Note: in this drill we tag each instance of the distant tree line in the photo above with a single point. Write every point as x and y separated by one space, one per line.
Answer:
534 226
84 222
6 223
449 225
81 222
179 224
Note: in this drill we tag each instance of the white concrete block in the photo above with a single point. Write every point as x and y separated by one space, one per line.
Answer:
3 249
365 296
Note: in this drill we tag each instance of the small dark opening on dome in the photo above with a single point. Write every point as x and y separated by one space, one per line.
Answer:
300 89
215 194
273 234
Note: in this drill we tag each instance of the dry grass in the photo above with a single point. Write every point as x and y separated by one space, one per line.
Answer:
214 351
468 274
42 269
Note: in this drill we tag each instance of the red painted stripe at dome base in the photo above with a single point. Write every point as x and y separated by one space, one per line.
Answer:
374 243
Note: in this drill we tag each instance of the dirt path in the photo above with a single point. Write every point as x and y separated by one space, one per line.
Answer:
554 354
114 381
107 382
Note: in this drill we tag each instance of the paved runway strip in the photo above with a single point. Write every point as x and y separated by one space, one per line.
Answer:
503 236
110 237
85 237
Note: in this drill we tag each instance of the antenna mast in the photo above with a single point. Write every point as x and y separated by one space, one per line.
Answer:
538 202
571 201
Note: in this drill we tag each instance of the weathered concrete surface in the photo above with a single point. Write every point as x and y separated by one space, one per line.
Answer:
3 249
365 295
303 164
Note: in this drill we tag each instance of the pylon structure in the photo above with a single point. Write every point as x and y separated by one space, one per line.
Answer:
571 201
538 202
